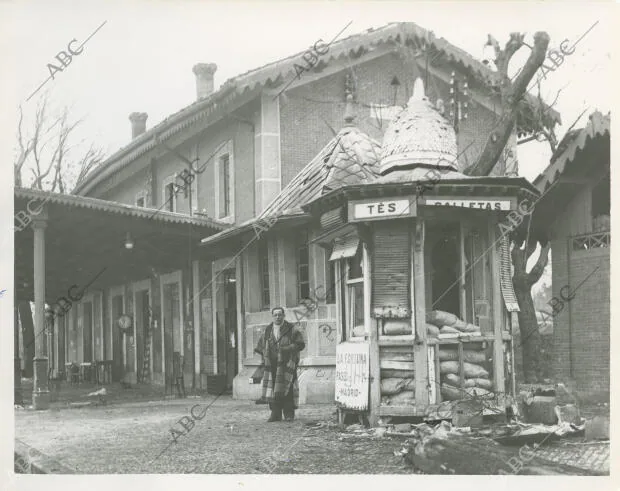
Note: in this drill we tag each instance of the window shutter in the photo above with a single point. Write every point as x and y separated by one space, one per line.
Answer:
391 265
506 277
345 247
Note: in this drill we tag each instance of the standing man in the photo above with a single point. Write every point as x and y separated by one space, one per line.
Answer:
279 347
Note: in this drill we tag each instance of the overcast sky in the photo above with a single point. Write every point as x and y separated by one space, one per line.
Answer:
141 59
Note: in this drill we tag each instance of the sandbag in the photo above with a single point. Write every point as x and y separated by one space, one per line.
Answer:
392 385
475 371
395 327
409 384
466 327
440 318
469 356
483 383
393 372
459 324
445 329
449 367
359 331
433 331
455 380
471 370
404 398
472 328
450 393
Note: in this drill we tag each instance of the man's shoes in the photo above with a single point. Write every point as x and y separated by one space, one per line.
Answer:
289 417
274 417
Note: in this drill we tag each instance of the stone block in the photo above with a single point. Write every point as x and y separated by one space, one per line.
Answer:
597 428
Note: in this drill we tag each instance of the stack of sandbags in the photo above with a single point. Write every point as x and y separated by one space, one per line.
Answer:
450 323
397 375
477 379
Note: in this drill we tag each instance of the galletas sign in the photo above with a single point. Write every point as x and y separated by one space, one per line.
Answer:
490 204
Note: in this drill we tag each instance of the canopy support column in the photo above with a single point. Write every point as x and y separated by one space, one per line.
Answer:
40 390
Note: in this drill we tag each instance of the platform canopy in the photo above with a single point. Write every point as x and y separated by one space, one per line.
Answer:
85 236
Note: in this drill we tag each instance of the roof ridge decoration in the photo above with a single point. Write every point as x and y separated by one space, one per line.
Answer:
419 136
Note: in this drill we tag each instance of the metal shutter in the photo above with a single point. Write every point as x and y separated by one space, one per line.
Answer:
505 276
391 265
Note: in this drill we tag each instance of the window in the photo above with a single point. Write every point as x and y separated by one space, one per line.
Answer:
140 199
224 186
263 271
170 190
355 293
330 277
303 266
601 205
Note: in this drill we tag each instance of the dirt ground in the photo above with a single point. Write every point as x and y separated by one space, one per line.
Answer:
233 437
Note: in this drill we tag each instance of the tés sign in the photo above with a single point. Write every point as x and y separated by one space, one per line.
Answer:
489 204
377 209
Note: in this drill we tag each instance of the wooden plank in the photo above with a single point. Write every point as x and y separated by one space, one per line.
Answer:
419 303
498 305
461 367
462 292
372 330
397 365
438 397
340 329
403 340
395 356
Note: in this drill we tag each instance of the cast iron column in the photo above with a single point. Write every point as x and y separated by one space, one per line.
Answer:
17 363
40 390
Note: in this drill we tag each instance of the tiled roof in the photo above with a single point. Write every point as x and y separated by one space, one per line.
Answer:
349 158
117 208
573 141
272 75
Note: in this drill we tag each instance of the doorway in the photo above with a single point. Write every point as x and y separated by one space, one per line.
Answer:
142 307
172 322
87 329
443 257
118 360
226 315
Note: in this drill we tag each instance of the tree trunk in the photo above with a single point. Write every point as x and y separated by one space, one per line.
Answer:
530 335
25 316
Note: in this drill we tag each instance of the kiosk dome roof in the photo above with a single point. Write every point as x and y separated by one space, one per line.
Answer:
419 136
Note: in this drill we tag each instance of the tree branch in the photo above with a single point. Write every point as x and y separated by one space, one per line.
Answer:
511 95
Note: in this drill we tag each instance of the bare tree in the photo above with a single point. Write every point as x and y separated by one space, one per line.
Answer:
513 108
47 152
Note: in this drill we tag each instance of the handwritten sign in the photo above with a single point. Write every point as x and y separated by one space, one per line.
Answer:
352 375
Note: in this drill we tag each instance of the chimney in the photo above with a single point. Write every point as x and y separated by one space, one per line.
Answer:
204 79
138 124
